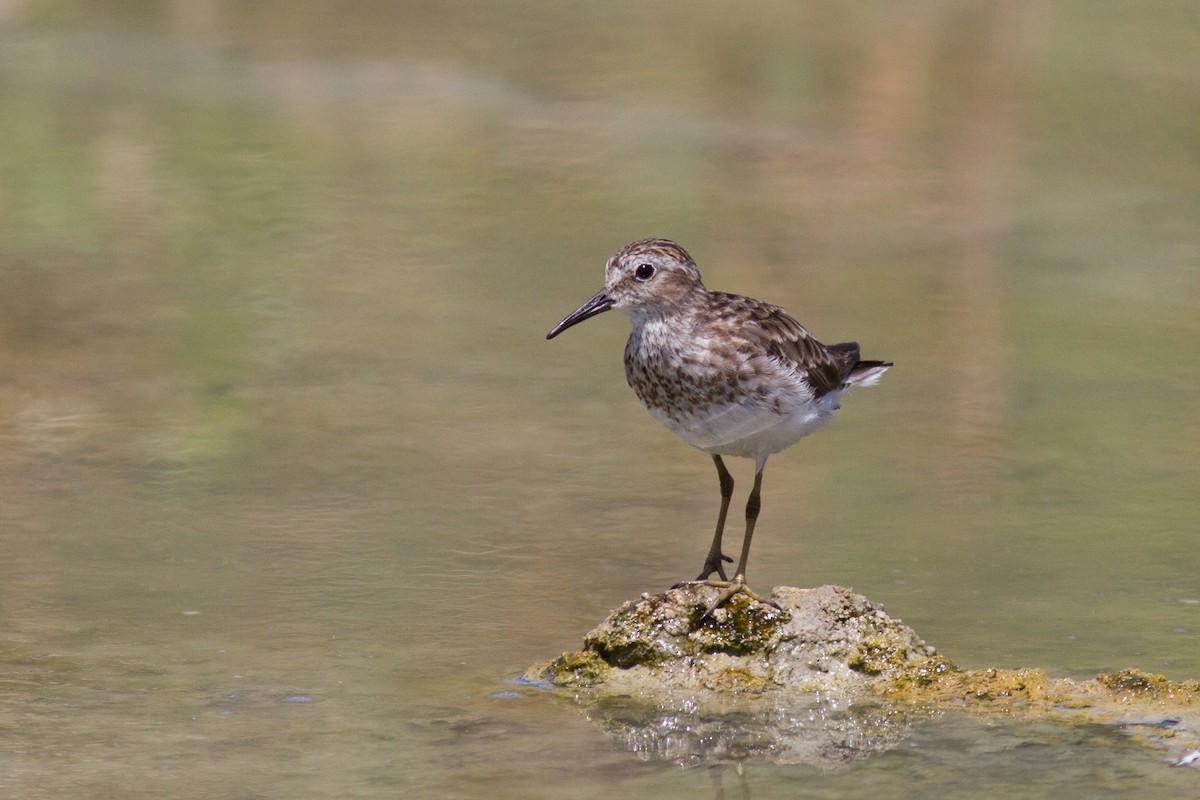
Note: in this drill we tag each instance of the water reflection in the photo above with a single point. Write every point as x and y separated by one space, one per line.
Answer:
820 732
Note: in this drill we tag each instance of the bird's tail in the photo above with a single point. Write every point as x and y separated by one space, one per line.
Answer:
866 373
855 372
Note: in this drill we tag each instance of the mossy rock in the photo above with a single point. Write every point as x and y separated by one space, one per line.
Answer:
576 670
825 639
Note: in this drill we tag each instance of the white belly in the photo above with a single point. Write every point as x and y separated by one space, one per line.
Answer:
749 430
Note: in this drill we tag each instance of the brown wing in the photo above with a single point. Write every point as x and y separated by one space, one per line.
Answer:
787 339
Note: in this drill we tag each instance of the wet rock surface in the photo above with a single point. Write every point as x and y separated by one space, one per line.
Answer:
825 678
824 639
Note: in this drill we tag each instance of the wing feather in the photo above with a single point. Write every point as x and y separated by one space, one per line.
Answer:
786 339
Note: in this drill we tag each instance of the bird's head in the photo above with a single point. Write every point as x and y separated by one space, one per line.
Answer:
644 279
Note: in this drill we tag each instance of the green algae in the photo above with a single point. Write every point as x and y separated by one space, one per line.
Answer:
874 658
575 670
1033 689
1130 684
654 630
745 627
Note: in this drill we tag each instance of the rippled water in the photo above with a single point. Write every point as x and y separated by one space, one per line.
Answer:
294 486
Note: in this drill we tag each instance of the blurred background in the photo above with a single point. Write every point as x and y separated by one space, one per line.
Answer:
294 485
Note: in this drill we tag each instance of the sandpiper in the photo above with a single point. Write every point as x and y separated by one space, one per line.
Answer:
729 375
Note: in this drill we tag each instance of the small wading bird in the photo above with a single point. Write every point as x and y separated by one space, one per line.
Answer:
729 375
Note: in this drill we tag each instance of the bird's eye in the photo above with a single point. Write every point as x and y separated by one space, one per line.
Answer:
644 272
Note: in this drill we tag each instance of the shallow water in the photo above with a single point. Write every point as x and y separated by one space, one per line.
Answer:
294 486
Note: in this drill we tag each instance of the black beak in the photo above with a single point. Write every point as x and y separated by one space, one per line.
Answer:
599 303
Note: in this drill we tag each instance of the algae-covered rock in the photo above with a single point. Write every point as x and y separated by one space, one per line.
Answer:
824 639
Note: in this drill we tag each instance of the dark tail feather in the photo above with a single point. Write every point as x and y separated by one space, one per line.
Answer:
855 372
846 354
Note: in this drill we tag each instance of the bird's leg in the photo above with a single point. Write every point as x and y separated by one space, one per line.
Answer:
753 504
713 562
738 584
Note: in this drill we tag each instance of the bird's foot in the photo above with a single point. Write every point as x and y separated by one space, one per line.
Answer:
730 589
713 564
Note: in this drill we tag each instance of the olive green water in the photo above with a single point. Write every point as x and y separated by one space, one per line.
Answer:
294 486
